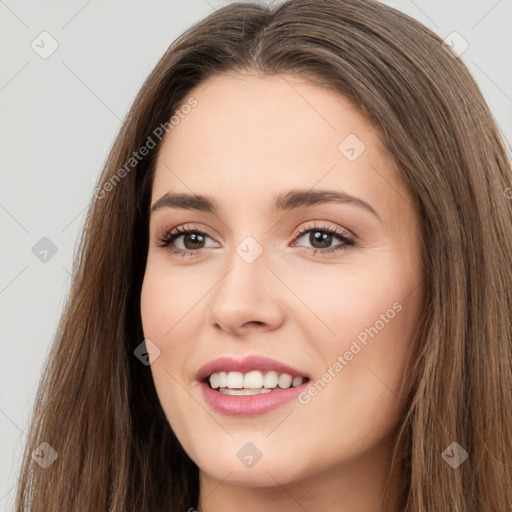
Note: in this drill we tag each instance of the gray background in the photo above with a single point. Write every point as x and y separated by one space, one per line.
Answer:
60 115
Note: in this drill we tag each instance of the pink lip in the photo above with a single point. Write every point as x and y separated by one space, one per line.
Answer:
248 405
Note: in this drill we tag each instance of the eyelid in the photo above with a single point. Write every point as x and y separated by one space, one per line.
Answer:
320 225
191 227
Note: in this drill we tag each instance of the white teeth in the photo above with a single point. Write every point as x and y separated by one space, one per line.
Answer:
252 382
270 380
235 380
223 379
285 380
297 381
214 380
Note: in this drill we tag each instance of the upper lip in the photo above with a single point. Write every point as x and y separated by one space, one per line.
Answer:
246 364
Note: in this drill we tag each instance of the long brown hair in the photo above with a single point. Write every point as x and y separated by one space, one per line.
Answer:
96 404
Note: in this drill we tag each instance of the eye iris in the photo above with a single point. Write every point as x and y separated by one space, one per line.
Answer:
321 236
195 237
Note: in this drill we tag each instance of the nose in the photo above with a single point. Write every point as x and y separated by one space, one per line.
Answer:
248 296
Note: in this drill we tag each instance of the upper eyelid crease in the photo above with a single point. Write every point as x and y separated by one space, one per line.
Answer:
283 202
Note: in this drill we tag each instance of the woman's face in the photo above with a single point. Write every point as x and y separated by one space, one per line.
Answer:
329 287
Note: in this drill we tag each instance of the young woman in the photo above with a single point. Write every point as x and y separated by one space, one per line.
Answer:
294 286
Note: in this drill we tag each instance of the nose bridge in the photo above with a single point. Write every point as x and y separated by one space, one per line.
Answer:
249 242
246 292
248 268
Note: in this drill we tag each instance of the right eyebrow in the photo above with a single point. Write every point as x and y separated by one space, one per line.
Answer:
186 202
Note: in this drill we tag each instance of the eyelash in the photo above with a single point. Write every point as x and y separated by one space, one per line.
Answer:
170 236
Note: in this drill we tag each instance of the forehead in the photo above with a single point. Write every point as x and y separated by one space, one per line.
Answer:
250 135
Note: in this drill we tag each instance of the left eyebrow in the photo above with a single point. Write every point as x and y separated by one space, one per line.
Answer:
286 201
300 198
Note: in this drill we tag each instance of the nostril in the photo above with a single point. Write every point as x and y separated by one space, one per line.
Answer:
256 322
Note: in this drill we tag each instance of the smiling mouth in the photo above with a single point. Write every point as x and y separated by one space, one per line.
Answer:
252 383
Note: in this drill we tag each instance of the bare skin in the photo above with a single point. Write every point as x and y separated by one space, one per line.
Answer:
249 139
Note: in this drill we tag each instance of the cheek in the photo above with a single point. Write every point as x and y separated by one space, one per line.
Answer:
151 298
161 302
153 324
357 303
359 391
372 317
159 314
164 320
147 309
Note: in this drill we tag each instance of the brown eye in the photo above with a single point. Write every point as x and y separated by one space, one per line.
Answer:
193 240
322 237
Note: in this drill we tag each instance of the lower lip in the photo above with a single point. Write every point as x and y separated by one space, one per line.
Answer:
249 405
